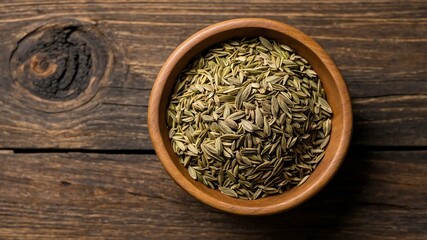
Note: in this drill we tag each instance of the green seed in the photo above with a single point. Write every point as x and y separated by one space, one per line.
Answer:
250 118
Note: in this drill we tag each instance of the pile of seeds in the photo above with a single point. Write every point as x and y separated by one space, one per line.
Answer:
249 118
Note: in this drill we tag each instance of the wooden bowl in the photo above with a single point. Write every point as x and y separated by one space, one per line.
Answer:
333 83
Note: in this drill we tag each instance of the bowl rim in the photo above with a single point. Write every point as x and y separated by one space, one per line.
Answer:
181 51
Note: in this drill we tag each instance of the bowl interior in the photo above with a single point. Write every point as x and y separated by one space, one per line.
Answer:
336 94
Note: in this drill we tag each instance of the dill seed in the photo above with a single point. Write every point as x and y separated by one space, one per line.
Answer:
250 118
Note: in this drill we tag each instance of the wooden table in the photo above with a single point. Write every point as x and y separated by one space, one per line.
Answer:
76 160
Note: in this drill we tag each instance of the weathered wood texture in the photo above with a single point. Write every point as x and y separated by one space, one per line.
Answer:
376 195
380 47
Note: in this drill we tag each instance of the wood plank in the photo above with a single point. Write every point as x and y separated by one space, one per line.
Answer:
376 195
378 45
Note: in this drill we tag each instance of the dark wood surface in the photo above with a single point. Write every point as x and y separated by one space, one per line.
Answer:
84 167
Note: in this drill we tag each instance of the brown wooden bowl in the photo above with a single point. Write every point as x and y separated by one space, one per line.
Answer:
333 83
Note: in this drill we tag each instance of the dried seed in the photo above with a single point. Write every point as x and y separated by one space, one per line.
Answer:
192 172
266 43
230 136
228 192
193 148
259 120
231 123
324 105
247 126
249 118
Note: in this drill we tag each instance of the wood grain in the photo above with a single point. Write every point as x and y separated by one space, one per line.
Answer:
376 195
378 45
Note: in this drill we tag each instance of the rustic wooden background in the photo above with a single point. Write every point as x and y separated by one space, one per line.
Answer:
85 168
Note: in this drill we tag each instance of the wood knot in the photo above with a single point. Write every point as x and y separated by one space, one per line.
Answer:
60 61
42 67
